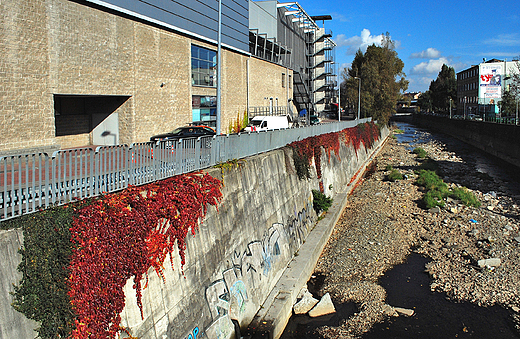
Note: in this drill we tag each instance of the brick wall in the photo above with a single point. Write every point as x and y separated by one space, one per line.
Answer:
60 47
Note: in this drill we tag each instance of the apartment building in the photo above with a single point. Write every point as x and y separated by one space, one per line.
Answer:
480 87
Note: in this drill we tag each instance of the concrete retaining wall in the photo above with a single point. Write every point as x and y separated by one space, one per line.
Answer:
498 140
235 259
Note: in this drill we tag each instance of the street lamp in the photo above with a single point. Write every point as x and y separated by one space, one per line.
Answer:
359 98
339 101
464 108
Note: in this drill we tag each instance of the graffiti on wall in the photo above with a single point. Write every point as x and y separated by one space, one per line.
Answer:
236 296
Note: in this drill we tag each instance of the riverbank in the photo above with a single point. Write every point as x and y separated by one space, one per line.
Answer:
384 222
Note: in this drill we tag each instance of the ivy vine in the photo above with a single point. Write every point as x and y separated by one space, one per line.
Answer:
77 258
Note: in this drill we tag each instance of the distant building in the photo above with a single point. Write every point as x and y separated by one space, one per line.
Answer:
409 102
480 87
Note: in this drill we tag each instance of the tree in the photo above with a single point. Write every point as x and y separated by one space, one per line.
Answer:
443 89
425 101
382 80
512 92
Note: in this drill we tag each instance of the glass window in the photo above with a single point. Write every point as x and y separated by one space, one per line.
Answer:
204 110
203 66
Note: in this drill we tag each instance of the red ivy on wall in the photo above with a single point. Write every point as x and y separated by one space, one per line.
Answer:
120 236
310 148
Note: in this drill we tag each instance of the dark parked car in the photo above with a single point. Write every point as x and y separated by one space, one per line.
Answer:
185 132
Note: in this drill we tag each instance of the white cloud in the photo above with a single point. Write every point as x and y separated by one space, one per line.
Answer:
430 67
362 41
429 53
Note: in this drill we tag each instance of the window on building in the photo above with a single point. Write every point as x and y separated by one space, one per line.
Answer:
283 80
203 66
204 110
290 81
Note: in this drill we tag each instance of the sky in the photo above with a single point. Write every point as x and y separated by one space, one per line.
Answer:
427 34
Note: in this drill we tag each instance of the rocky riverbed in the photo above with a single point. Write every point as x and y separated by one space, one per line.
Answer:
385 221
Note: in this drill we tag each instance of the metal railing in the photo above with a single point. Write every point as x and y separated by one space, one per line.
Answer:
30 182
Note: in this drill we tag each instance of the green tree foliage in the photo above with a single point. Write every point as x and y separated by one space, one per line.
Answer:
382 80
425 102
443 89
512 92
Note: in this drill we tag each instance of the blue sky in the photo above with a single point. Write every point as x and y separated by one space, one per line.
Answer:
427 33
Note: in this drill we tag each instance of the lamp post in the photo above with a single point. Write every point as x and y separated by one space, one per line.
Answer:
359 98
219 68
464 108
450 108
339 102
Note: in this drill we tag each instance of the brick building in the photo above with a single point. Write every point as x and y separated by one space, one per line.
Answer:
76 73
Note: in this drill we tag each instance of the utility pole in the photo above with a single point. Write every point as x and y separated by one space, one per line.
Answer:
219 68
359 99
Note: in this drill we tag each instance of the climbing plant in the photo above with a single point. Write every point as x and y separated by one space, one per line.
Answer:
75 266
309 149
41 294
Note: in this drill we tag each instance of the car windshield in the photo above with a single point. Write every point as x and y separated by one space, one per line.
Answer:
179 131
256 122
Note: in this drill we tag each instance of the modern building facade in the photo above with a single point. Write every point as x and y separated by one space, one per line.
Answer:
77 73
480 88
284 33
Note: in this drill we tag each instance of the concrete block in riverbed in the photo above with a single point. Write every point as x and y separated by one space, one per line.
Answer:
325 306
305 304
491 262
404 311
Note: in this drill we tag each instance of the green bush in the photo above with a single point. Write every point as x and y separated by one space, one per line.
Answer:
41 295
433 198
321 201
398 131
301 164
395 175
431 181
430 165
437 191
464 195
388 168
421 153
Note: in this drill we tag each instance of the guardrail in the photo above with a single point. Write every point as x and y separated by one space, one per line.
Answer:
30 182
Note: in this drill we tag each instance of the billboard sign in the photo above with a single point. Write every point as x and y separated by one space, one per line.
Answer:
490 82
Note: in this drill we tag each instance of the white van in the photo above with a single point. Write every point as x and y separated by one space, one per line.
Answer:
266 123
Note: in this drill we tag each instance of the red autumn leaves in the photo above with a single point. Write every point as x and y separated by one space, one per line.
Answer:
120 236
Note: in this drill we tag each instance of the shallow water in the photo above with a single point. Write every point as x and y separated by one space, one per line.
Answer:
407 286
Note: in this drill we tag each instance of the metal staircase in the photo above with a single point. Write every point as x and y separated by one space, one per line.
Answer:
301 96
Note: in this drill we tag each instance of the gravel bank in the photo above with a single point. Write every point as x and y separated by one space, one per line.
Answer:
384 221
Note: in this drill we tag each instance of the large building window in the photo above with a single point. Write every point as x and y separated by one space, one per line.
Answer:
203 66
204 110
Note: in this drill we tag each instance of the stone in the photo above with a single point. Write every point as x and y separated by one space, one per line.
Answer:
305 304
515 309
388 310
302 292
434 210
404 311
491 262
325 306
517 239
